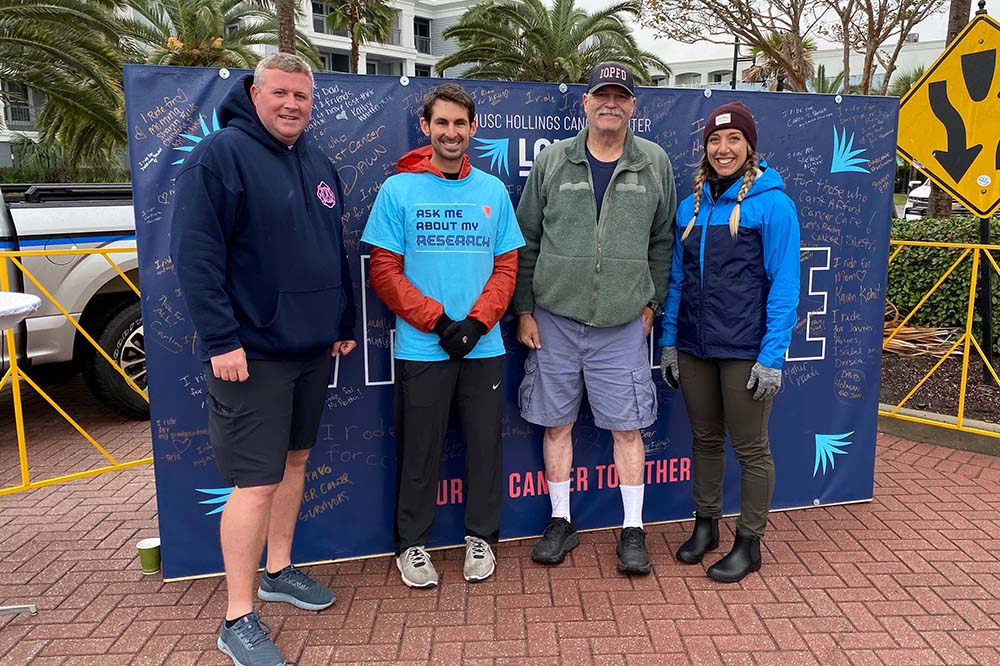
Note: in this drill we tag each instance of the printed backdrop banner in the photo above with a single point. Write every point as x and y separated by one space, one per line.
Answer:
837 156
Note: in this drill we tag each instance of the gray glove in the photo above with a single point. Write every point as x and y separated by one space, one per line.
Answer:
669 369
766 380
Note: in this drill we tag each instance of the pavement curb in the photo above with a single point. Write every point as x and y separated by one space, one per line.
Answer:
929 434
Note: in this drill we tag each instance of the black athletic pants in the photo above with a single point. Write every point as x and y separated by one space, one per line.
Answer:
425 392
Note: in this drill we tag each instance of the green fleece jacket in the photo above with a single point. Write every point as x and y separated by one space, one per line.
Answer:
599 274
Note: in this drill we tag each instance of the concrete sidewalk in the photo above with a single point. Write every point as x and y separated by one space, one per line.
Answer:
911 578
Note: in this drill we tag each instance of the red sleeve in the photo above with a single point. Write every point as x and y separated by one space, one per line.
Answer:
397 292
492 303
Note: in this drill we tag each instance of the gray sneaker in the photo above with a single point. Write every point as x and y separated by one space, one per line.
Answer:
247 643
479 560
416 569
293 586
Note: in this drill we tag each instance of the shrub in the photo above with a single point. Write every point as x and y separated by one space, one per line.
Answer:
916 269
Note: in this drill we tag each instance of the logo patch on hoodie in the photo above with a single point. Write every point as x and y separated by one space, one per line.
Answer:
326 195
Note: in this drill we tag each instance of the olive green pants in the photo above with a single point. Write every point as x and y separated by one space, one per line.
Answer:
718 402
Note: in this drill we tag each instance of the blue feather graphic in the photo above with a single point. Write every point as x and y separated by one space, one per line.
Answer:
827 446
496 150
845 158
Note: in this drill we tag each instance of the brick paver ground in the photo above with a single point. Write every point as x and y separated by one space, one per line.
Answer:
911 578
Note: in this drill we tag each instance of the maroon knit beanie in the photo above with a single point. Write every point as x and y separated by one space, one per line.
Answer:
733 115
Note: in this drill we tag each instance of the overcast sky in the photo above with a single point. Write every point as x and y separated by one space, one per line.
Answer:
933 28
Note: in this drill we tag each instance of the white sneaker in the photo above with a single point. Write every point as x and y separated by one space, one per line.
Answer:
416 569
479 560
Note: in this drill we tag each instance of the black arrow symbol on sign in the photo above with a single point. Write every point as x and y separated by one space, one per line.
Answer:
958 158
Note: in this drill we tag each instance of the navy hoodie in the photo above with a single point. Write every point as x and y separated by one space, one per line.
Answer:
256 239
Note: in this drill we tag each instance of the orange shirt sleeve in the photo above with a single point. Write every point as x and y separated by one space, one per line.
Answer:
499 289
397 292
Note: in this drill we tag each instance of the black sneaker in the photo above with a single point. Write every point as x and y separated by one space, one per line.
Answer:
557 540
632 555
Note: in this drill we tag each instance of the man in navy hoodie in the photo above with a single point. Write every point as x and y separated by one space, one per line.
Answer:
258 247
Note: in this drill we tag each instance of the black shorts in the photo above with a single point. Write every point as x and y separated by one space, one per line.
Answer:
252 425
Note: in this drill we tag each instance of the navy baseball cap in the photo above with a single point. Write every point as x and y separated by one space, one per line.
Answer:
611 74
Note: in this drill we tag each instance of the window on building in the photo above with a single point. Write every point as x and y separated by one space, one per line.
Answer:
422 34
720 76
320 11
335 62
688 79
385 67
20 106
422 70
395 35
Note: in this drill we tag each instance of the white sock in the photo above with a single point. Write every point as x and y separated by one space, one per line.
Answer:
559 496
632 501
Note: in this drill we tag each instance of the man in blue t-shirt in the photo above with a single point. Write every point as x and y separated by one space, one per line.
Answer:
444 258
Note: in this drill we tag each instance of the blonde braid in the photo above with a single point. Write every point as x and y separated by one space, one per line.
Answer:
749 176
700 176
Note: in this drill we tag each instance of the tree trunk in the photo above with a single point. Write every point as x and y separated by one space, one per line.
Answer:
355 14
939 202
285 11
847 67
868 69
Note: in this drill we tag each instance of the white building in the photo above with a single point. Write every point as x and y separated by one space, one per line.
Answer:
412 48
718 72
414 44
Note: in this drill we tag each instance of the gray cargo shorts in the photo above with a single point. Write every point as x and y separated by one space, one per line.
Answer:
612 363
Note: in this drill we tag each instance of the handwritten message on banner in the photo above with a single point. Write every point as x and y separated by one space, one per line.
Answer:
837 160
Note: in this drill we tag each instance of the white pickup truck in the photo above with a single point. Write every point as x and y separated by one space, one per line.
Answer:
67 217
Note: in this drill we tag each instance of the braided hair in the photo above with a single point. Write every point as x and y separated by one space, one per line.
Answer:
704 172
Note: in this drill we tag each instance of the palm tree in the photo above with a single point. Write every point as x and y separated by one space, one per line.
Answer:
364 20
208 33
825 86
781 46
68 51
523 40
901 84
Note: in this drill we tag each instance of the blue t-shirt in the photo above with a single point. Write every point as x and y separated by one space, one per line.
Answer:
601 173
448 232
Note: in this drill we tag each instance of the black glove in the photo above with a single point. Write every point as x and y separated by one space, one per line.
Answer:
442 324
459 338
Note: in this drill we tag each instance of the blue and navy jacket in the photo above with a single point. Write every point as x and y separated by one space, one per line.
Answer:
256 240
735 298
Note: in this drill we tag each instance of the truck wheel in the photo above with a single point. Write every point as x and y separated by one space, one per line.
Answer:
121 337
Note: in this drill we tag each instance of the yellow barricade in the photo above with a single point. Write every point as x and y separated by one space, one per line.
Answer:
977 253
16 374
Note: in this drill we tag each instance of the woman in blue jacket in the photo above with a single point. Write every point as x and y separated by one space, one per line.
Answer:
730 310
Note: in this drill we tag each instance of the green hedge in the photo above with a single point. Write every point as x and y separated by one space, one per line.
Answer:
916 269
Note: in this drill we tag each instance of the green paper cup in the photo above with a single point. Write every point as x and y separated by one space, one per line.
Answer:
149 555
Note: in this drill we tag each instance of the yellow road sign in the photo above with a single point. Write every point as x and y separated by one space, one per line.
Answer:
949 121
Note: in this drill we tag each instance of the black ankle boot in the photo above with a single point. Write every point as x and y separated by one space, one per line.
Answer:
704 539
743 559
